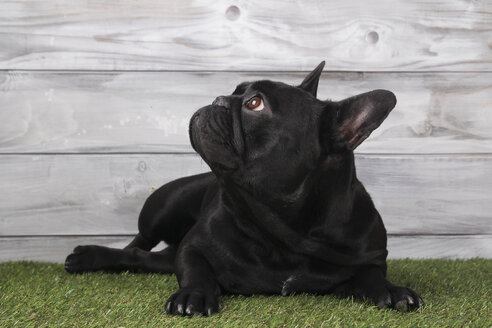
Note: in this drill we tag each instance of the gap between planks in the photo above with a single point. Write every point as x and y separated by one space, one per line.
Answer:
423 234
194 153
89 71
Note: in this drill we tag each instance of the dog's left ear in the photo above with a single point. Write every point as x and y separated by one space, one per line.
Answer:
356 117
310 82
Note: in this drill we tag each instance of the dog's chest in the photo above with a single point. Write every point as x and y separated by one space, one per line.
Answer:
248 264
254 268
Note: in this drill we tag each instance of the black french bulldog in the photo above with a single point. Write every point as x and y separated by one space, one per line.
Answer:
281 212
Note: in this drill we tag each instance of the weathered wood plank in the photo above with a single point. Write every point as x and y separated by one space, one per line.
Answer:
87 194
430 194
259 35
149 112
449 247
55 248
51 249
103 194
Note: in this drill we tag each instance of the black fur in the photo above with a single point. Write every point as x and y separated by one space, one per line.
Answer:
281 212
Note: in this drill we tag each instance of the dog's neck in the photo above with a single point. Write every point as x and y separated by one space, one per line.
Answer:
331 182
336 185
310 225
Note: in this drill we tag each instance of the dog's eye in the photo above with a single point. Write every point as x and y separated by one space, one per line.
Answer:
255 103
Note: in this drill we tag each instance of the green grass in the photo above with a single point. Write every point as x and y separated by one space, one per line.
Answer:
457 293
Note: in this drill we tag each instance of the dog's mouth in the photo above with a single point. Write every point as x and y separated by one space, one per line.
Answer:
192 135
211 136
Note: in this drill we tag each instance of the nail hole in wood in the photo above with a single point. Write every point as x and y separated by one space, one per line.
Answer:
372 37
233 13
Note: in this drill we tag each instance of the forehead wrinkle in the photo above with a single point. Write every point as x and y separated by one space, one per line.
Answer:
241 87
261 85
267 86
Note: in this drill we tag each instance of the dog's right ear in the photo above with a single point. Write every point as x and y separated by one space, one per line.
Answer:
345 124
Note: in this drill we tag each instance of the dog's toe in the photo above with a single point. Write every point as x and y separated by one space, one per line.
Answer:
383 295
72 263
191 302
194 304
401 305
83 259
404 299
383 300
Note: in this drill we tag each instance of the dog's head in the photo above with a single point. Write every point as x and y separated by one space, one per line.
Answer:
267 129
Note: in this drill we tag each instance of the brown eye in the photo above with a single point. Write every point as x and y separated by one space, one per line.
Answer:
255 103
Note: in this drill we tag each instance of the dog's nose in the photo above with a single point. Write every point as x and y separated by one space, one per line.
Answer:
222 101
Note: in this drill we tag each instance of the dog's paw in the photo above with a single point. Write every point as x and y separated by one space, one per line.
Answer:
399 298
84 259
191 302
383 296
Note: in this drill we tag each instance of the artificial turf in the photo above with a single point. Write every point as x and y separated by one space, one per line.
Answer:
457 293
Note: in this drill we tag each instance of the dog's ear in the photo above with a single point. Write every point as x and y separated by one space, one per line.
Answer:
310 82
356 117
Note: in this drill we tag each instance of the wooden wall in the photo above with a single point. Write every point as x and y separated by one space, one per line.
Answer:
95 98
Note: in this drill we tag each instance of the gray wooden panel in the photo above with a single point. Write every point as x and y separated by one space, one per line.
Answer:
149 112
431 194
83 194
103 194
449 247
56 249
264 35
51 249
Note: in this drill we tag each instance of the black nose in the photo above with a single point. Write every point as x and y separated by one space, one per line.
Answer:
222 101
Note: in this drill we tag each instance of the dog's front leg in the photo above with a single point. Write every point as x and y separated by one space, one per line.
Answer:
370 283
198 290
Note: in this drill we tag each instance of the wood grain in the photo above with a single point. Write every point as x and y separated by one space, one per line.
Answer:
83 194
149 111
432 194
448 247
400 35
103 194
56 249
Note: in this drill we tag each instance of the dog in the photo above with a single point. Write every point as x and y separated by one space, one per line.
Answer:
281 211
